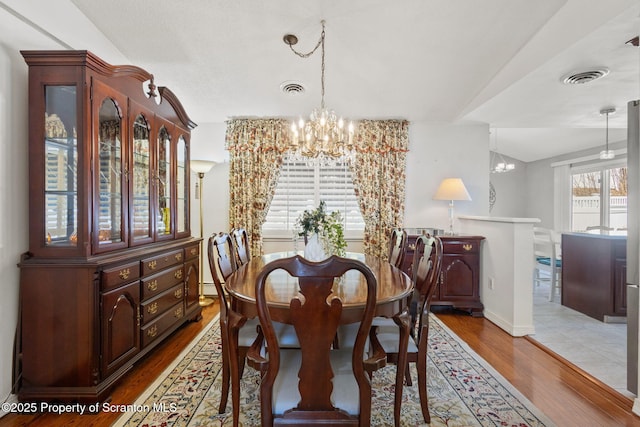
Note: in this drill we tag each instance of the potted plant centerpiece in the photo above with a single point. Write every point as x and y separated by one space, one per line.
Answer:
323 233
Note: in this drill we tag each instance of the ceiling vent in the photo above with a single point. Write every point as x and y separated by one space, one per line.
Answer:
292 88
584 76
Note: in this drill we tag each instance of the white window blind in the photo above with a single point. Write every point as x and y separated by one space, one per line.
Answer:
302 186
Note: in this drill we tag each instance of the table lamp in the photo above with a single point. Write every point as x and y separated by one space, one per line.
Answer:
201 167
451 189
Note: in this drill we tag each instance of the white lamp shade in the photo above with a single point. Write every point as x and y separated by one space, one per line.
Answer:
452 189
201 166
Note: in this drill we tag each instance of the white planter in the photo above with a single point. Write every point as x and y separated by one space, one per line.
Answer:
314 251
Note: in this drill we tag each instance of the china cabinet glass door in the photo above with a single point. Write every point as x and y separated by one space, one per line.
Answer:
61 166
163 184
109 176
182 187
140 182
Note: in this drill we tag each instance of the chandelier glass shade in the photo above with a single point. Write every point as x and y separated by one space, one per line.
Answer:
325 136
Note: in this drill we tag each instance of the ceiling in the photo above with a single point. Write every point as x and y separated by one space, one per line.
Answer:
495 61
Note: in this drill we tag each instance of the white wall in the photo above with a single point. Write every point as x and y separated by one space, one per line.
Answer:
13 209
438 151
511 201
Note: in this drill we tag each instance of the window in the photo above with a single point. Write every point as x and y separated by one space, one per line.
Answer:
599 197
301 186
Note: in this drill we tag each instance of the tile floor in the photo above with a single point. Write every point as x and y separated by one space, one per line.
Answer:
596 347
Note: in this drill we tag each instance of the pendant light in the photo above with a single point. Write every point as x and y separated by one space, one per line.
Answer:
607 154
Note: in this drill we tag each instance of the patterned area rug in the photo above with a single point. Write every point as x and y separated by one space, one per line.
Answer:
463 390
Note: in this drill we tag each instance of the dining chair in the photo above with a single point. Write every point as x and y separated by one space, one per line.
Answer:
547 258
222 264
397 246
316 384
427 264
242 249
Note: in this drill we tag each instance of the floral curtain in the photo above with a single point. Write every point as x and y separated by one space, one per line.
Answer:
379 179
255 149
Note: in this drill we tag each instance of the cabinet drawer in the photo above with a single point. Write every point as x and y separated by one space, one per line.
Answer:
461 246
156 263
191 252
159 304
116 276
163 322
157 283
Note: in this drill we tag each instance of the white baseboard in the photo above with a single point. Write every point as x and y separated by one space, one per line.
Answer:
515 331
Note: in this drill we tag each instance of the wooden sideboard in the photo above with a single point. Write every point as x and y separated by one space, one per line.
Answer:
594 274
459 284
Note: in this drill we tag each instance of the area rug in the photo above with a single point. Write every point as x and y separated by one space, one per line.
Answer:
464 390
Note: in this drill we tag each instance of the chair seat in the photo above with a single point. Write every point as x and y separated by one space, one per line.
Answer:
547 261
286 334
345 393
388 337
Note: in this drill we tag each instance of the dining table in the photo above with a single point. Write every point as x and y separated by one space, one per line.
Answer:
393 295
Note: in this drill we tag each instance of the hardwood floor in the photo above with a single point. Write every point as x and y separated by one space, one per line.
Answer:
565 394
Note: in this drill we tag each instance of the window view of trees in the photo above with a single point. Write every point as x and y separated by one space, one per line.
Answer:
599 199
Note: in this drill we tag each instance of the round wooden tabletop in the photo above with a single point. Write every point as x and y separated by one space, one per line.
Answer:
394 287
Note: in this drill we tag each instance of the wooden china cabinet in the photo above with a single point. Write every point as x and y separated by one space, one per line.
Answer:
112 269
459 282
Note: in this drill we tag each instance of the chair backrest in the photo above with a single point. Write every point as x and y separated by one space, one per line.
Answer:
397 246
215 274
427 265
544 244
427 262
241 241
224 252
316 321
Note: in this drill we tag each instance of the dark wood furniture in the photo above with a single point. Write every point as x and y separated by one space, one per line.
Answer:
427 258
316 384
459 284
594 274
392 298
241 243
398 247
112 269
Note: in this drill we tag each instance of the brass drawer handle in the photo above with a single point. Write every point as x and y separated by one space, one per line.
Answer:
178 274
178 313
152 308
411 247
467 246
152 264
152 331
194 251
178 257
124 274
178 293
152 286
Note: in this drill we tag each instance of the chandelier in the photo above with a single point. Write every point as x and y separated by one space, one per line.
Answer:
498 164
607 154
324 135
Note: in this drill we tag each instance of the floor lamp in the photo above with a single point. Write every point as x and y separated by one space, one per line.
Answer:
201 167
451 189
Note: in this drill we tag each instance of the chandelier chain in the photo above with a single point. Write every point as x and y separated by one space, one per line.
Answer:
308 54
323 138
